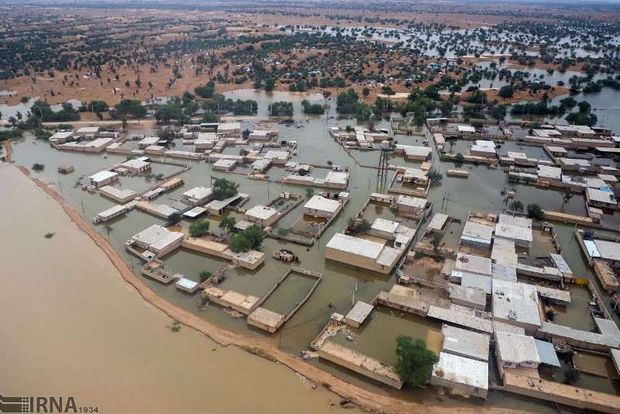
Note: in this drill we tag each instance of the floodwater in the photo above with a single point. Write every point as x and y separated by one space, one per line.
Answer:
341 284
72 327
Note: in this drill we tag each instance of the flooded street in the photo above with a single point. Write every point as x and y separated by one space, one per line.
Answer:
72 327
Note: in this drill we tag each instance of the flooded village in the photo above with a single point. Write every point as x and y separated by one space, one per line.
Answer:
502 257
438 230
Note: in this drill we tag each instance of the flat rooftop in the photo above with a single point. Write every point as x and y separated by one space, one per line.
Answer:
465 343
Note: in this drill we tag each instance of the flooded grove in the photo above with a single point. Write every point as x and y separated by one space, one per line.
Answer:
341 285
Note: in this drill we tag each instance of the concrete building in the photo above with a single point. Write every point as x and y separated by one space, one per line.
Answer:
462 376
87 133
472 264
260 135
111 213
277 157
385 229
601 198
147 142
224 164
229 129
319 206
477 234
337 179
515 228
197 195
411 206
61 137
516 350
262 215
103 178
135 166
157 239
261 165
516 304
358 314
358 252
483 148
117 194
414 153
465 343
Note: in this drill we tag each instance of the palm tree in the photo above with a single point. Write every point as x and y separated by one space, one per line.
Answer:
566 196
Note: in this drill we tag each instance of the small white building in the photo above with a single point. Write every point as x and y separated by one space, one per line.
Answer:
477 234
515 350
197 195
224 164
147 142
261 165
136 166
61 137
515 228
385 229
229 129
319 206
260 135
516 304
411 206
358 314
87 133
483 148
278 157
462 376
337 179
263 215
102 178
601 198
157 239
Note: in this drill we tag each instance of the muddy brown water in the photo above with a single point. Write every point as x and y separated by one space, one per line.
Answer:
72 327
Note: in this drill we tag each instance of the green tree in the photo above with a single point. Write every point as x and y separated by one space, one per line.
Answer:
223 189
506 91
129 107
414 362
227 223
239 243
199 228
534 211
204 275
516 205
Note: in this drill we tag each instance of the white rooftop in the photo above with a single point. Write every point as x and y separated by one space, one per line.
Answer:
477 232
198 193
383 225
321 203
355 245
516 348
360 312
261 212
514 228
465 343
514 301
337 177
414 202
102 176
462 370
473 264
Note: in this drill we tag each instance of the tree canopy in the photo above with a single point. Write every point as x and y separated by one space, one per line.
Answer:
414 362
